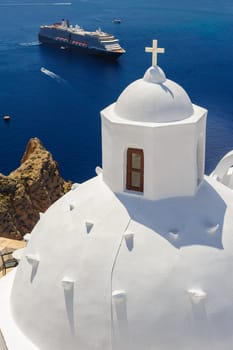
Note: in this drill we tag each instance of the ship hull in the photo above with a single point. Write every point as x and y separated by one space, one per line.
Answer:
113 55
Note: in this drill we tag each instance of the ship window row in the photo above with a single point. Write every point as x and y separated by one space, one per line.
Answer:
110 41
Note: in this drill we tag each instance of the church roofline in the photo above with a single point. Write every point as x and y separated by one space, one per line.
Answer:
112 116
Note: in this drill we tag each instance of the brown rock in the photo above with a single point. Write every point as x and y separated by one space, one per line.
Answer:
29 190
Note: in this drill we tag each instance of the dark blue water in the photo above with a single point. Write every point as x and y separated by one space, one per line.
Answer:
63 110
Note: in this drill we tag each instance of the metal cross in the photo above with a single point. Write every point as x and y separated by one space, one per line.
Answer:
155 50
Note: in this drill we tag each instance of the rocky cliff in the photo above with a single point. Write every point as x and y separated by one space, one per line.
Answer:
29 190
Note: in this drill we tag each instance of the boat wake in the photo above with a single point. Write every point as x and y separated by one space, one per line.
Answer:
52 75
33 43
62 3
37 4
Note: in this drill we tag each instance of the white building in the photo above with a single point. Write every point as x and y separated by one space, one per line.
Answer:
141 256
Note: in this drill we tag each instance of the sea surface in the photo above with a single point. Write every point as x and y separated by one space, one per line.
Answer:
61 105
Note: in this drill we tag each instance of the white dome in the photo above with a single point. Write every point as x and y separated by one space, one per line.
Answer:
154 99
126 273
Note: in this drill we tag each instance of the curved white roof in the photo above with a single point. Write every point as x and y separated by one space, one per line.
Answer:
102 273
154 99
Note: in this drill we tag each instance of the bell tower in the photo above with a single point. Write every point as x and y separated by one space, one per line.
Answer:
153 138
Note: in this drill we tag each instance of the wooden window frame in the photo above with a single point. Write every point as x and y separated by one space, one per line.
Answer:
129 185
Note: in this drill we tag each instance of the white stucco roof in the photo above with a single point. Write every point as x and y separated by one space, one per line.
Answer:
126 273
154 99
13 338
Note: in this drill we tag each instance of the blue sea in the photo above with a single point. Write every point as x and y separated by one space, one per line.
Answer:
62 108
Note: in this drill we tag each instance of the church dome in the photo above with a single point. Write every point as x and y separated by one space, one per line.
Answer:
109 272
154 99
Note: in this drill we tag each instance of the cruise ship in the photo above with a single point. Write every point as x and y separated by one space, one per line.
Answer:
71 37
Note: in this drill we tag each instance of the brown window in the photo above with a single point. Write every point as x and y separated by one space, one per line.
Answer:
135 169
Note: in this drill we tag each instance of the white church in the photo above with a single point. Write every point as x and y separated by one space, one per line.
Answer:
139 257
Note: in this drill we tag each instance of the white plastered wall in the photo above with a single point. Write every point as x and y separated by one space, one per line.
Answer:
171 164
200 147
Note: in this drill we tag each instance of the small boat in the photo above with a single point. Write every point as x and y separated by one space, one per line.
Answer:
116 20
6 117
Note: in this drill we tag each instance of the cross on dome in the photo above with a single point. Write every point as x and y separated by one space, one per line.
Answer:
154 50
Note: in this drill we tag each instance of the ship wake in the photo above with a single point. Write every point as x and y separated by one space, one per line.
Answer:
37 4
53 75
33 43
62 3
